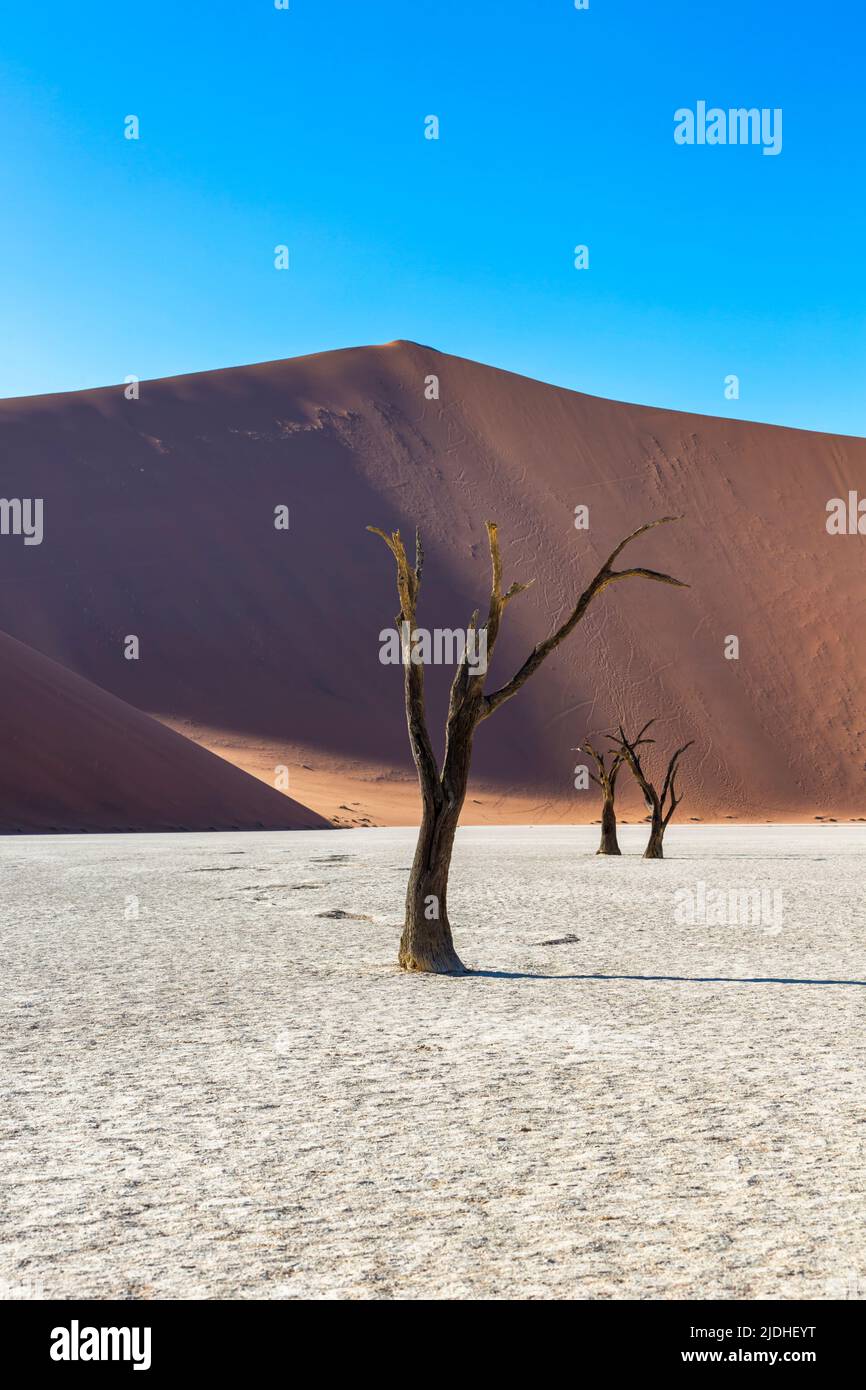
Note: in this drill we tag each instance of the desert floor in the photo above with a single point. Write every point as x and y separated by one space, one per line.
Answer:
217 1084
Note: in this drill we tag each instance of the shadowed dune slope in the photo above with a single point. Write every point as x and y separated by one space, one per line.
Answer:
159 522
76 758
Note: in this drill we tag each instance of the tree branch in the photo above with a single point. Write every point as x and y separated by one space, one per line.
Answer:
606 775
668 784
632 757
408 585
498 600
655 801
606 575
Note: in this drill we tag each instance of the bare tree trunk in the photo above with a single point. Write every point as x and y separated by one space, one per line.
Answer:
654 848
426 943
609 843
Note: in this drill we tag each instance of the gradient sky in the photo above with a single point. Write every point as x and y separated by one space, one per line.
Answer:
305 127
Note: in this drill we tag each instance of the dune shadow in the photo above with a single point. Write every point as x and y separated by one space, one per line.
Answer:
661 979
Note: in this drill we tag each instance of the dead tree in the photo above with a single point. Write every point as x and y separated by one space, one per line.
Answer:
606 781
426 942
660 806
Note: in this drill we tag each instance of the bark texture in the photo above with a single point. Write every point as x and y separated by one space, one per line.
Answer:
609 842
426 942
655 848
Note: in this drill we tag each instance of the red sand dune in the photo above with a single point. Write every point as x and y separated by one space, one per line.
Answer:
76 758
264 644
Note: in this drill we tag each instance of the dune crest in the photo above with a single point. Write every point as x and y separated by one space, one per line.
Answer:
158 520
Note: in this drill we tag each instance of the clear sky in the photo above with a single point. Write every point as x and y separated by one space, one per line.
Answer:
305 127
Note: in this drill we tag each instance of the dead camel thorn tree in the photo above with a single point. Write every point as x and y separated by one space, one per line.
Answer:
661 806
606 780
426 943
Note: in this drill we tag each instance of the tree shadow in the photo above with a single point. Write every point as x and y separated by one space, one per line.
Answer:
660 979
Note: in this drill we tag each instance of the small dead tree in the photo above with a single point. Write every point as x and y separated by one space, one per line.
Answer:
606 781
661 806
426 943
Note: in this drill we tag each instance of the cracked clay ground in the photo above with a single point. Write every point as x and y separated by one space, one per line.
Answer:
216 1084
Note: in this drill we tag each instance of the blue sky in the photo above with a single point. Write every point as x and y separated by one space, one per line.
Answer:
306 127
